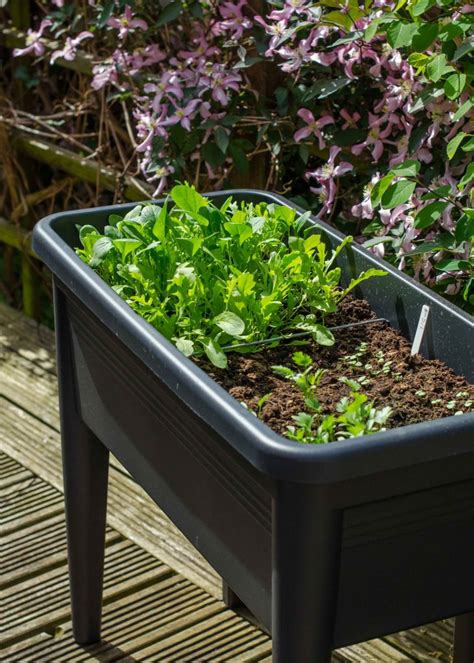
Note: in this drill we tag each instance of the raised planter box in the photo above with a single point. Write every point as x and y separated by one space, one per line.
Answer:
327 545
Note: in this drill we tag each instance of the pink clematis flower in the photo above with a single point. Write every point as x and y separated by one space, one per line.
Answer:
183 116
103 75
168 85
160 174
70 48
219 82
313 126
279 31
202 47
34 44
376 137
350 119
126 23
148 127
325 176
330 170
234 21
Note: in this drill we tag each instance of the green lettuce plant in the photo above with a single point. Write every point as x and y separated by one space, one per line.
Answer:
207 277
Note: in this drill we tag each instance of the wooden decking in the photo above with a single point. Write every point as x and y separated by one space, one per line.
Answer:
161 598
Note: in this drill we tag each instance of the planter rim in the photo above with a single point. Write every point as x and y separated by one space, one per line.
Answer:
271 453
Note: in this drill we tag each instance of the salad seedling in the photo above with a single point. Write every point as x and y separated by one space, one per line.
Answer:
208 276
262 402
355 415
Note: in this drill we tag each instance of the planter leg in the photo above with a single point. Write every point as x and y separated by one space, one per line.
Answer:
85 470
306 543
464 639
229 597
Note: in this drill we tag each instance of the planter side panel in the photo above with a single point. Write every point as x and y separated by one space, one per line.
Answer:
406 561
215 498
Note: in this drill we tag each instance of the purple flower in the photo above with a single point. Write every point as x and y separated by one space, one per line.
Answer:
234 21
70 48
159 173
103 75
313 126
33 41
183 116
330 170
168 85
325 176
350 120
202 49
126 23
148 127
375 138
220 82
279 31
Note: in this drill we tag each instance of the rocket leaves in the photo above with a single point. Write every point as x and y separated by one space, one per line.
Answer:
207 277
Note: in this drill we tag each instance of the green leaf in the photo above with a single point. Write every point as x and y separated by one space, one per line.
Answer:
222 139
106 13
409 168
239 158
398 193
86 230
426 247
126 246
364 276
213 155
454 85
185 346
374 241
159 227
401 34
337 18
439 192
467 177
426 97
452 265
469 146
438 67
230 323
464 49
283 371
302 359
421 6
462 110
454 143
101 247
424 36
429 214
215 354
464 229
169 13
371 30
418 61
325 88
379 189
322 335
187 198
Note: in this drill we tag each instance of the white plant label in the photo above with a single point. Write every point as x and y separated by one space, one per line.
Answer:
420 330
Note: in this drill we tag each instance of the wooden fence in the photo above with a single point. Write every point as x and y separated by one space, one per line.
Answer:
43 151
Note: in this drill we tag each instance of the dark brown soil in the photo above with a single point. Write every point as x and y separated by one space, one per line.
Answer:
417 389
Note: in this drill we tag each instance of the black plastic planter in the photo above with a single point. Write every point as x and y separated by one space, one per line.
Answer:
326 545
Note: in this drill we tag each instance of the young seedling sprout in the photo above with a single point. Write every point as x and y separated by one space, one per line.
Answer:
355 415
